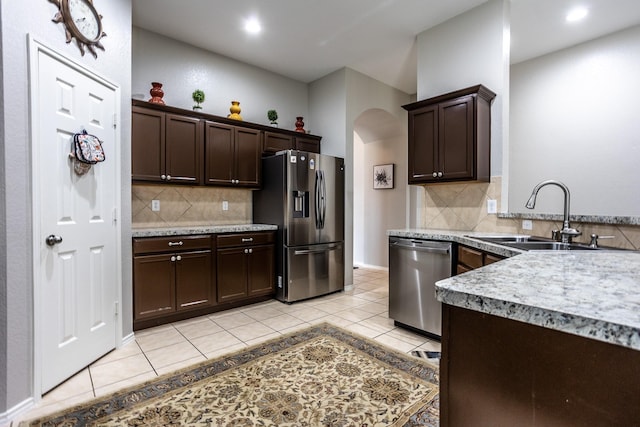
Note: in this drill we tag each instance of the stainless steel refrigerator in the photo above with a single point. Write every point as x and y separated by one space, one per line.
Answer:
303 193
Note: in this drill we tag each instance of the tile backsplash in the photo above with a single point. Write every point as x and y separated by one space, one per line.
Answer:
187 206
464 207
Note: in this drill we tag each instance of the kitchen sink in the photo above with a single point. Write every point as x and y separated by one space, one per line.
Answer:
534 243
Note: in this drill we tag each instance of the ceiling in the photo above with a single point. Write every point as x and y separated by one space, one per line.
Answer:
308 39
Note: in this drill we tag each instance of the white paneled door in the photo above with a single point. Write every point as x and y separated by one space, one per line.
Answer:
77 289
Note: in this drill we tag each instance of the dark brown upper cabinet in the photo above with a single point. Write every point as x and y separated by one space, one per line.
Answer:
450 137
233 155
274 142
166 147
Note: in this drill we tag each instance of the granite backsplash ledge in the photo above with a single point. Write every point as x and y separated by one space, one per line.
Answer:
182 206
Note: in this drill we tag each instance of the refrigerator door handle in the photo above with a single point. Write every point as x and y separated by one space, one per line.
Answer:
324 198
315 251
319 200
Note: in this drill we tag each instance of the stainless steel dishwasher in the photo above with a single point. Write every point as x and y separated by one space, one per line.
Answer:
414 267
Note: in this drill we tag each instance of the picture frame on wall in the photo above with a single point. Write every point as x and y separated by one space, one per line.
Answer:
383 176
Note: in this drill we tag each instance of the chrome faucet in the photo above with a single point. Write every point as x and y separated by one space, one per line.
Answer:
567 233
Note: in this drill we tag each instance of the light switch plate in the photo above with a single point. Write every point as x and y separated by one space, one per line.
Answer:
225 205
492 206
155 205
527 224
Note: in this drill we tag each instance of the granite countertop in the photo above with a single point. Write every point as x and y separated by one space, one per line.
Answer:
203 229
594 294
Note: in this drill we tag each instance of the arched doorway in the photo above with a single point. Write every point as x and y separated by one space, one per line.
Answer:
379 139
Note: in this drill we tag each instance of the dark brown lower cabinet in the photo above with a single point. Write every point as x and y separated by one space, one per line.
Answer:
470 259
246 266
176 277
501 372
171 275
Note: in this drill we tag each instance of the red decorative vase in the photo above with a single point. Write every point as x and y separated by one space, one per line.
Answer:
299 124
156 93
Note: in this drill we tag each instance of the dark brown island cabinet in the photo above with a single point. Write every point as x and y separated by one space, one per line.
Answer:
246 266
233 155
166 147
175 278
496 371
450 137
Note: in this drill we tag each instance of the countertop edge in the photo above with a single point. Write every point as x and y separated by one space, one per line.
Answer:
601 329
196 229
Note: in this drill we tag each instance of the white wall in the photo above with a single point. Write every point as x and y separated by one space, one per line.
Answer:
17 19
183 68
575 117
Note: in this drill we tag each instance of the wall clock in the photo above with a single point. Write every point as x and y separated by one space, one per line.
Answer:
82 22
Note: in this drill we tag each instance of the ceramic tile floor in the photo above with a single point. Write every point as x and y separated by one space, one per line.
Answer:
159 350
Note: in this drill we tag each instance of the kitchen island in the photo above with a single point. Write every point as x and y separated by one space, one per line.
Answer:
542 338
545 338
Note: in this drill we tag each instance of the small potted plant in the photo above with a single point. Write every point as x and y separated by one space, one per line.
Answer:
272 115
198 98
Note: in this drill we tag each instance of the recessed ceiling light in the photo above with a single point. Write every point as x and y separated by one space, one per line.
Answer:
252 26
577 14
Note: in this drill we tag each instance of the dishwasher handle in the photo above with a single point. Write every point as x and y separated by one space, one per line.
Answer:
420 248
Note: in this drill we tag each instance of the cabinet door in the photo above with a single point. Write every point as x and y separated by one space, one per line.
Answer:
274 142
232 274
309 144
193 280
260 270
247 157
153 286
184 149
456 150
423 145
219 153
147 144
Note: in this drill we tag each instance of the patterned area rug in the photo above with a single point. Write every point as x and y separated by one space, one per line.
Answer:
321 376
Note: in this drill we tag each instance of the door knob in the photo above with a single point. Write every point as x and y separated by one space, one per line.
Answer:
53 239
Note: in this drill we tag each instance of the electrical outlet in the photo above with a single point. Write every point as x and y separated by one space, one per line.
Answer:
225 205
527 224
155 205
492 206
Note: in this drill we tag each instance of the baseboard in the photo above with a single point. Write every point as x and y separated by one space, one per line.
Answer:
16 411
129 338
371 267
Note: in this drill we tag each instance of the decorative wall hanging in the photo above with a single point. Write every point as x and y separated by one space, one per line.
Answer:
82 22
299 124
235 111
383 176
156 93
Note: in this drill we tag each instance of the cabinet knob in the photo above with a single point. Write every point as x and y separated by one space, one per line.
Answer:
173 259
163 177
250 251
178 257
246 251
440 174
168 177
435 174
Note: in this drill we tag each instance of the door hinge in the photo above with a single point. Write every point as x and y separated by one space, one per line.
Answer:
115 308
115 216
115 123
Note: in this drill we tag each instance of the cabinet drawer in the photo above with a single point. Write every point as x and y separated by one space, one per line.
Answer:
469 257
244 239
170 244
